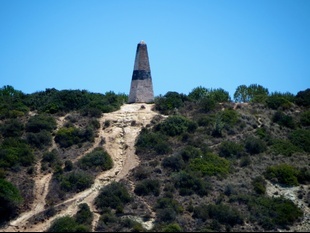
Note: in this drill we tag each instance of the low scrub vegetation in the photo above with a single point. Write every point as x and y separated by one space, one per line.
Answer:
97 160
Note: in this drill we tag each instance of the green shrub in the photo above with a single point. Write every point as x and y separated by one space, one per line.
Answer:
166 215
10 200
189 184
51 159
304 175
305 118
176 125
217 95
206 120
84 215
98 159
152 142
301 139
15 152
284 120
112 196
207 104
283 173
225 214
68 136
259 185
279 100
173 227
255 145
68 166
40 140
229 117
11 103
231 149
41 122
76 181
53 101
303 98
218 127
201 212
190 152
12 128
67 224
169 102
284 147
147 187
164 203
175 162
273 213
211 165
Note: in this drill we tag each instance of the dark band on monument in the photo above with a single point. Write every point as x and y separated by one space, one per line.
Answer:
141 75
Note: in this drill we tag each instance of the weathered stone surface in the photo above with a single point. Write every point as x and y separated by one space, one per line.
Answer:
141 90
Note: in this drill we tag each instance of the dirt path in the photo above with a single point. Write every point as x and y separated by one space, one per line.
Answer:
119 137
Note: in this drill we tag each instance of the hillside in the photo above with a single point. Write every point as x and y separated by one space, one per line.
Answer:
79 161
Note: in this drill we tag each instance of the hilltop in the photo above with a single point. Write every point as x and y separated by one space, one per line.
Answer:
86 161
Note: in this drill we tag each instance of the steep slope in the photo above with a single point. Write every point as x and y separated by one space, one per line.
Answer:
117 135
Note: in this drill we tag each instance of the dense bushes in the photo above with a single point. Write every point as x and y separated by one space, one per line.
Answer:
53 101
10 199
81 222
68 136
280 100
259 185
284 147
255 145
114 195
147 187
51 160
15 152
222 213
167 209
283 120
84 215
11 103
169 102
12 128
210 164
75 181
283 173
305 118
176 125
303 98
189 184
40 140
271 213
149 141
231 149
175 162
98 159
301 139
67 224
41 122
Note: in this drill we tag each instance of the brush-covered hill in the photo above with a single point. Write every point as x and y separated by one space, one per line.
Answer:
77 161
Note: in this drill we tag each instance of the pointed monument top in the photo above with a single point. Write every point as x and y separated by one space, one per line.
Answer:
142 42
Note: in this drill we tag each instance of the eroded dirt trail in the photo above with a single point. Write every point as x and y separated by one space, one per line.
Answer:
119 133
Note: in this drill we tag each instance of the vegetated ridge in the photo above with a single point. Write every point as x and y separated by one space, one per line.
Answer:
77 161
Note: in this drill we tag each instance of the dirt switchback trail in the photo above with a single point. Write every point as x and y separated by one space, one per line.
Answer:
117 135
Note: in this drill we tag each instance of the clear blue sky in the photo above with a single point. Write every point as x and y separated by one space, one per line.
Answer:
91 44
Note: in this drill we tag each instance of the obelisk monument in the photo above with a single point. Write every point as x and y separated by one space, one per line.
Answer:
141 89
